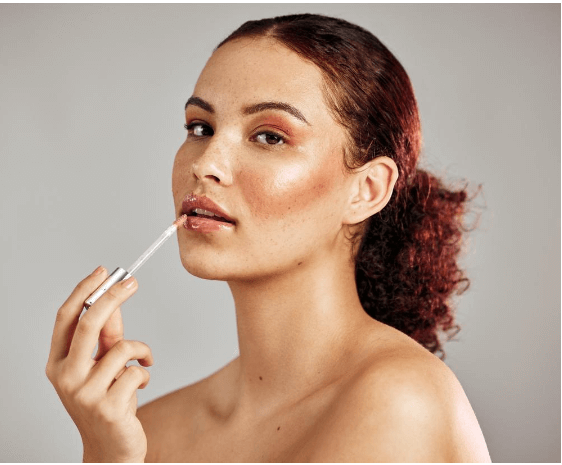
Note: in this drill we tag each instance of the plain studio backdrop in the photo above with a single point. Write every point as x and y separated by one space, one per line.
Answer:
91 116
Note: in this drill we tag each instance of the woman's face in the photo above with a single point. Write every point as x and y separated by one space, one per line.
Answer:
262 144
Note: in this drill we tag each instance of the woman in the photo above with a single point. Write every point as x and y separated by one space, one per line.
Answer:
303 135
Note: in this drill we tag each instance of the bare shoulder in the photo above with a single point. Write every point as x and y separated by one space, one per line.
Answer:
159 419
406 405
170 419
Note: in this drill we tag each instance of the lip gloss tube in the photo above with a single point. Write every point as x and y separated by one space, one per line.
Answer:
120 274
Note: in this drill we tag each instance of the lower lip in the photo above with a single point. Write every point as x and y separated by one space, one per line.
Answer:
205 225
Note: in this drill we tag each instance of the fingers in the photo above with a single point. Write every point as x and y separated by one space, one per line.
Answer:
100 396
69 313
90 325
112 364
111 333
133 378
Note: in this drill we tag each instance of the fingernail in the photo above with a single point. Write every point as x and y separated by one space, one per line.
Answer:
98 270
129 283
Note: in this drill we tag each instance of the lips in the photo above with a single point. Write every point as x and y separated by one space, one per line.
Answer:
204 215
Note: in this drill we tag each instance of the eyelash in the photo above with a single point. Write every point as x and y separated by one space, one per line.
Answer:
190 126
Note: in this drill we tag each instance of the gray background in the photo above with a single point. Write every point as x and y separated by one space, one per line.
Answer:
91 114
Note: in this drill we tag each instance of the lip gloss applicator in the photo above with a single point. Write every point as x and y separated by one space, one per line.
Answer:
120 274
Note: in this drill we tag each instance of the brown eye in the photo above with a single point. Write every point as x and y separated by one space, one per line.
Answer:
198 130
269 138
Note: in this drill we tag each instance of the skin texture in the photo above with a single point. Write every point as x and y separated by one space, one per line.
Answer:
267 189
317 379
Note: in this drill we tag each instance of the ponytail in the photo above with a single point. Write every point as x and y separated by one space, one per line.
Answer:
406 266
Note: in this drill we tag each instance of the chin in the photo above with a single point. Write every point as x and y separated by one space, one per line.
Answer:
224 271
206 270
231 265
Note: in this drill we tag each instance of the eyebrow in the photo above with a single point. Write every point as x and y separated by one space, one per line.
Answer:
252 109
199 102
263 106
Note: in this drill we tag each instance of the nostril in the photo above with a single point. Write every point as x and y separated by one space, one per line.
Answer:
214 177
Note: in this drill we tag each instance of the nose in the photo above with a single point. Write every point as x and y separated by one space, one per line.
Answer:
213 165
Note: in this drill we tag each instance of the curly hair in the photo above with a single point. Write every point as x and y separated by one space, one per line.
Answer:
405 255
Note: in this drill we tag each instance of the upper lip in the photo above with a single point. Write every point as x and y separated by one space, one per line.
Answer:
192 201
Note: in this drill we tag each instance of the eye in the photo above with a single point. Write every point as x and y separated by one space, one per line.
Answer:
198 130
269 138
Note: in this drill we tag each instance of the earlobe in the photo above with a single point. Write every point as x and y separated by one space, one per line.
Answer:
372 189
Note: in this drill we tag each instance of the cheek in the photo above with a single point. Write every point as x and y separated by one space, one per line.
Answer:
180 174
279 193
175 179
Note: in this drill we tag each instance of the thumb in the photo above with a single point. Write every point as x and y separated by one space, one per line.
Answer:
110 334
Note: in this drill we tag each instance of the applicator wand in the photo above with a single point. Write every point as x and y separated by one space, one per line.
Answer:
120 274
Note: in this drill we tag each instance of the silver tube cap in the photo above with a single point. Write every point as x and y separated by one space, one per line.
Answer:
118 275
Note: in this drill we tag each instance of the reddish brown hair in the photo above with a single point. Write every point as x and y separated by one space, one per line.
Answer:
406 260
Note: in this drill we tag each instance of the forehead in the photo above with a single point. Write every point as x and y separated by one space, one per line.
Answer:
247 71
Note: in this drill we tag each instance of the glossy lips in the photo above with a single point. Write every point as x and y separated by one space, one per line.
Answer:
202 223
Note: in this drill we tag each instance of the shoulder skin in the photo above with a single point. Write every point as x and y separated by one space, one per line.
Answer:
408 407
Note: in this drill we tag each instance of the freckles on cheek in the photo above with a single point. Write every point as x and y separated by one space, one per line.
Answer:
176 179
276 194
181 172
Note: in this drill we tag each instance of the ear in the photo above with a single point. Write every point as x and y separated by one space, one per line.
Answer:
371 189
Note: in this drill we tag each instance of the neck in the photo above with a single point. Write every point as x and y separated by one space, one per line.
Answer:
296 332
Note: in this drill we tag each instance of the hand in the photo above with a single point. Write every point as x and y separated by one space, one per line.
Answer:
100 394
